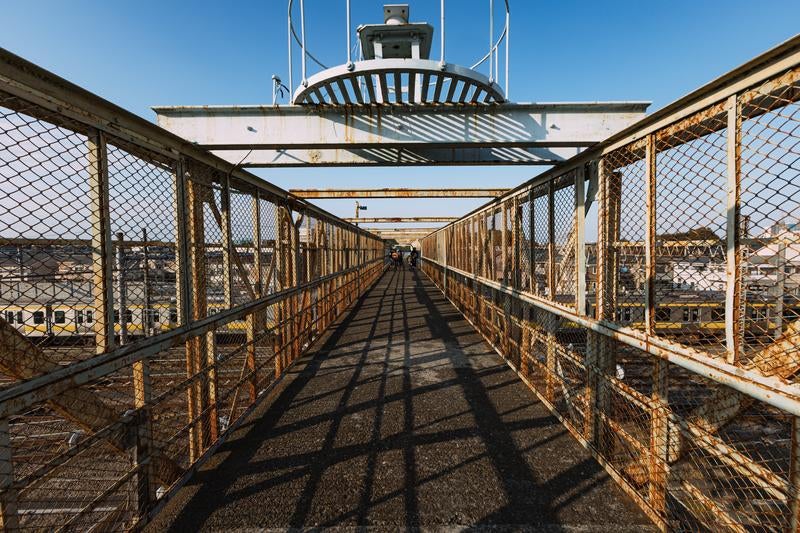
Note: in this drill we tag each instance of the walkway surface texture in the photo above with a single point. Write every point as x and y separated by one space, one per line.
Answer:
401 416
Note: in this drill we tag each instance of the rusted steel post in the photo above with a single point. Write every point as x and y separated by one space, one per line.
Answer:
102 248
532 244
794 477
143 447
505 259
226 241
733 292
142 389
658 463
283 253
183 277
600 353
444 261
517 238
325 289
196 346
122 290
552 321
609 220
504 244
780 288
9 518
255 321
580 240
147 313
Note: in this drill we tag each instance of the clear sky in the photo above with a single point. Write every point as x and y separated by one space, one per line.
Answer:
148 52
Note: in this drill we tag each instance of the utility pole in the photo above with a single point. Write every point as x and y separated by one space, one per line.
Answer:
359 208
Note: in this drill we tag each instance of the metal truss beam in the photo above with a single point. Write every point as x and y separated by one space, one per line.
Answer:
396 193
404 231
386 220
504 134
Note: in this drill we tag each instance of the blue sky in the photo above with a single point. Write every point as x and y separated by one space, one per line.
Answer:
144 53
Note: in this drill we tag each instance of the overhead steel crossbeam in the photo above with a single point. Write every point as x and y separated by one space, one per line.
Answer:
325 194
387 220
381 232
504 134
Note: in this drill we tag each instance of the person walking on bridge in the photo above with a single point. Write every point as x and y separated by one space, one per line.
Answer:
412 259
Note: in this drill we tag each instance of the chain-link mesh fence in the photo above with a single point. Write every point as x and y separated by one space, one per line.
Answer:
149 295
653 296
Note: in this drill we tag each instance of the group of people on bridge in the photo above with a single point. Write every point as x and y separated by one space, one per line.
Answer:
396 258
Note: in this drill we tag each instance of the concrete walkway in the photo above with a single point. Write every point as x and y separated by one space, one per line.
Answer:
402 417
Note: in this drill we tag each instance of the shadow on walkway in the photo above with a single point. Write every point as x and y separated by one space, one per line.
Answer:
402 417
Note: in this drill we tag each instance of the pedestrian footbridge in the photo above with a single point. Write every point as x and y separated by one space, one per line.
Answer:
612 345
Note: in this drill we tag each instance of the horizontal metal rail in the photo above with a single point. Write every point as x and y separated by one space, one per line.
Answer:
388 220
396 193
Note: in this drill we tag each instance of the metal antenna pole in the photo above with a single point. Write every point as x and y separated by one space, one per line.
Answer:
442 25
303 38
508 43
289 33
491 40
347 36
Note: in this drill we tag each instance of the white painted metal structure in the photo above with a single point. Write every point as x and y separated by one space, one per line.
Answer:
397 106
503 134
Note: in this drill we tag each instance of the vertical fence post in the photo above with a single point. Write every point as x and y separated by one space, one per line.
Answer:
122 290
183 284
255 321
196 346
610 186
444 261
142 390
9 519
531 244
794 477
601 355
659 415
516 279
517 239
733 289
143 436
102 247
147 313
580 240
281 272
552 320
780 288
504 243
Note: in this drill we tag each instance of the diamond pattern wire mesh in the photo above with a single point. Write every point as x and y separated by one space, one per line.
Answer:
696 453
46 264
691 166
76 282
770 198
564 234
541 239
242 251
626 173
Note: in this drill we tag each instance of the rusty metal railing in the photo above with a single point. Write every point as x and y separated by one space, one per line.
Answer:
648 291
150 295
